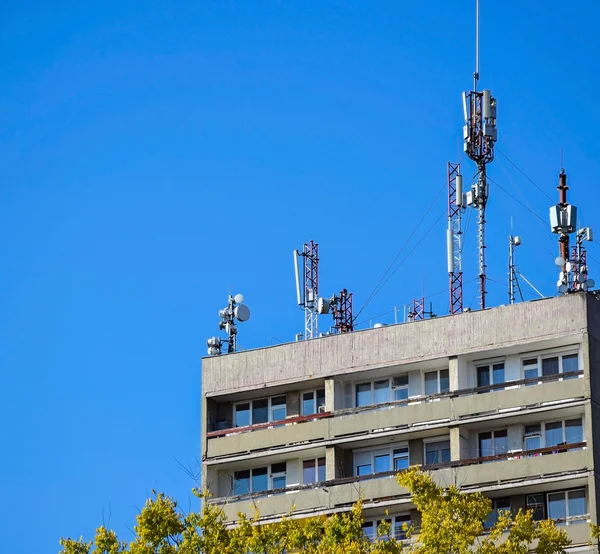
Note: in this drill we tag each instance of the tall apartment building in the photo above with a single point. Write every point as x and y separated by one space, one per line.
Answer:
503 401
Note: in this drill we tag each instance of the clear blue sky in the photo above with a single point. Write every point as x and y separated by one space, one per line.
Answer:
153 154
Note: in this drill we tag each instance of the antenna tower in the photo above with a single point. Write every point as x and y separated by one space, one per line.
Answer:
454 237
341 307
573 276
513 281
309 295
235 310
480 135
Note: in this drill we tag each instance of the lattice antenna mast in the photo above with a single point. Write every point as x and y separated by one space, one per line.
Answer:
308 292
341 306
513 282
454 237
480 135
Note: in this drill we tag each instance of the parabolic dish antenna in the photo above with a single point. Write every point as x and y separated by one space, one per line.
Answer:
591 283
559 261
239 298
563 288
242 312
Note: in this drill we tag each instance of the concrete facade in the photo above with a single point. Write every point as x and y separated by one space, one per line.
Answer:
504 401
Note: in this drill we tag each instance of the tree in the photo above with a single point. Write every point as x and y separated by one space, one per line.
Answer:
452 522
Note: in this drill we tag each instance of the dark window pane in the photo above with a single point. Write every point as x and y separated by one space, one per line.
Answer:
530 361
500 442
382 463
279 468
308 403
363 394
437 452
321 469
308 472
535 502
444 380
279 482
573 431
431 382
401 459
498 373
483 376
278 400
557 506
550 366
554 433
381 391
369 530
399 532
241 482
576 504
242 415
260 479
570 363
320 398
260 411
363 470
485 444
531 374
401 381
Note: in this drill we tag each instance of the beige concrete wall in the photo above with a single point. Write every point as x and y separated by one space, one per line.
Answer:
395 344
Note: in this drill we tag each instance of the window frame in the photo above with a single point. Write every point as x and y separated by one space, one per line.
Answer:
314 393
379 451
566 493
492 432
490 522
316 469
270 475
393 520
490 365
563 422
441 438
269 409
559 353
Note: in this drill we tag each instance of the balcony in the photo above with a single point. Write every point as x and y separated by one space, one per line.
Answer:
392 417
509 471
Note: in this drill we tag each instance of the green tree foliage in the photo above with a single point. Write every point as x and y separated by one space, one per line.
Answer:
451 523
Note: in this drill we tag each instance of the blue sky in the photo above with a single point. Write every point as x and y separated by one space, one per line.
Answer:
155 155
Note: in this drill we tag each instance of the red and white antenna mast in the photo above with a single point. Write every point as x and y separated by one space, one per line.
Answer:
454 237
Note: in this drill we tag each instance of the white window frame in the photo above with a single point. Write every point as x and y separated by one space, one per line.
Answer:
400 387
269 408
566 494
490 365
441 438
392 520
559 353
438 379
319 409
493 432
316 461
270 476
563 422
378 451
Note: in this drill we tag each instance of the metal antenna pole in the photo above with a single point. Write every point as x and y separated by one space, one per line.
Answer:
511 270
311 289
481 204
476 74
454 238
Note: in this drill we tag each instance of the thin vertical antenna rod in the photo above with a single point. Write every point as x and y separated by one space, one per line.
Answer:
476 74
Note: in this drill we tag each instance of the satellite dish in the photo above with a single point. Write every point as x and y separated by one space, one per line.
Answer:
222 313
568 267
559 283
241 312
559 261
563 288
378 325
323 306
239 298
590 283
581 278
584 287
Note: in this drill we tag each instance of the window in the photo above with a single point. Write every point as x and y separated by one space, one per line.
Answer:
437 452
492 374
396 524
437 381
260 411
566 505
381 391
313 402
493 443
563 432
400 387
313 471
260 479
532 437
535 502
401 458
550 365
499 505
368 462
363 395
